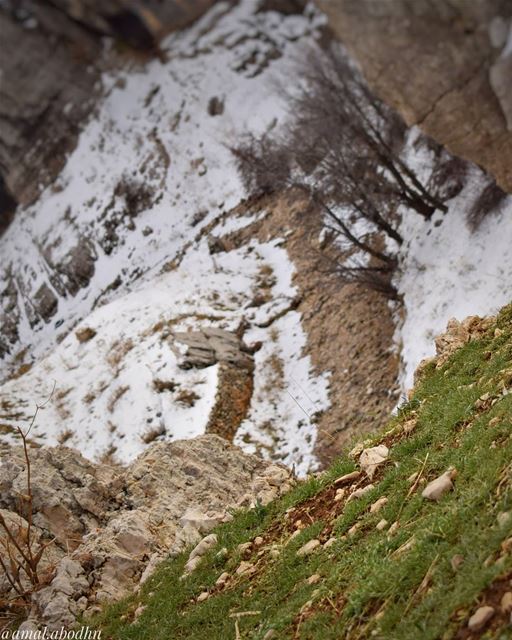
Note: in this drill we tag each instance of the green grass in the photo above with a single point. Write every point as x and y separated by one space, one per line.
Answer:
368 587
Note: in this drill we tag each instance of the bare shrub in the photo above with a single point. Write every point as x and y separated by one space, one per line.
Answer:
21 552
490 200
342 147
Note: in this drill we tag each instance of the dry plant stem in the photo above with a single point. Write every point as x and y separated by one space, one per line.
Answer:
29 559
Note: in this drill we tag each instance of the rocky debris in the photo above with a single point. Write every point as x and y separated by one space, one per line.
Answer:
45 303
112 525
378 504
314 579
371 458
222 579
209 346
309 547
359 493
480 618
506 602
457 561
207 543
232 401
433 63
64 599
244 567
348 478
457 334
381 525
436 489
84 334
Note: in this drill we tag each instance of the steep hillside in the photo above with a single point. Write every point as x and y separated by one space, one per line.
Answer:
409 536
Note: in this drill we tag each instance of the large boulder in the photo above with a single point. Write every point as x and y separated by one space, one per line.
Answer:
112 524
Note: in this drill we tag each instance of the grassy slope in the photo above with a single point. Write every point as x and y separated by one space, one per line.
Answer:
371 585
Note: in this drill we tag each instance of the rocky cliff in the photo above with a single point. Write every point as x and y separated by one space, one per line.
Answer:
444 66
108 527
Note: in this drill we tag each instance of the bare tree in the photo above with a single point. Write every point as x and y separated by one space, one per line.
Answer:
343 148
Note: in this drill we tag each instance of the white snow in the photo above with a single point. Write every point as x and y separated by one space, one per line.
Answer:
105 398
448 270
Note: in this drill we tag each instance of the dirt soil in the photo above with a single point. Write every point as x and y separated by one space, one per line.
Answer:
349 328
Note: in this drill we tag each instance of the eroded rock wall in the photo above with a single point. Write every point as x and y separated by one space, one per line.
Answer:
440 65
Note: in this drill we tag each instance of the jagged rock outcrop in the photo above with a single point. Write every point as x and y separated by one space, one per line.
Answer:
43 107
112 525
435 63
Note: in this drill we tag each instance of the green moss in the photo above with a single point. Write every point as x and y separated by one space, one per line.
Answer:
370 584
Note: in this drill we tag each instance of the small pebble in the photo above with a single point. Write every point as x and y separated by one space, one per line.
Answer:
378 504
480 618
382 524
309 547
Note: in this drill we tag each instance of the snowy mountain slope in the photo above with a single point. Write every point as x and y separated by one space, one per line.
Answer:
108 395
120 245
448 269
149 167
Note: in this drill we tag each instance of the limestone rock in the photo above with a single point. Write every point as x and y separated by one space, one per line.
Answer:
438 487
371 458
308 548
431 68
209 346
113 524
359 493
480 618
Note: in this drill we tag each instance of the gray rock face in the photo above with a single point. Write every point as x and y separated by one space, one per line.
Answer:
113 525
44 106
430 60
208 347
500 76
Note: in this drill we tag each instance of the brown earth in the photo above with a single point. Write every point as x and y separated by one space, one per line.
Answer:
349 328
431 60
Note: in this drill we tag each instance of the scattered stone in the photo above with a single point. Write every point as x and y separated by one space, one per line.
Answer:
457 561
371 458
412 478
340 494
359 493
244 567
314 579
348 478
139 611
441 485
244 549
409 426
270 634
209 346
222 579
506 602
503 518
381 525
274 553
308 548
329 543
393 528
199 551
378 504
203 596
480 618
85 334
353 529
104 517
